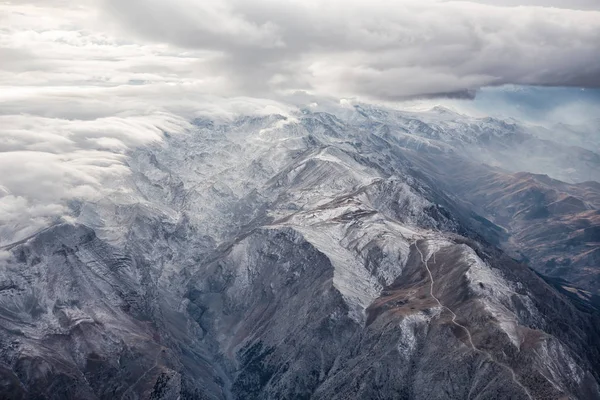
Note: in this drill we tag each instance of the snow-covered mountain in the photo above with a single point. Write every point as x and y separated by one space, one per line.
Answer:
315 255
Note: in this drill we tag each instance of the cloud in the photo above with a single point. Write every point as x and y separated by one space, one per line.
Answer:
73 145
379 49
75 100
567 4
48 162
82 83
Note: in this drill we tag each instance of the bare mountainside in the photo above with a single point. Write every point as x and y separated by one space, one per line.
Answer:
552 225
315 256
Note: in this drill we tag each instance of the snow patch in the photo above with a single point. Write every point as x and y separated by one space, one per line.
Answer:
357 286
409 330
494 293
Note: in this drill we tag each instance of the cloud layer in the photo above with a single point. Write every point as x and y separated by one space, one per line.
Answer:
74 100
380 49
81 83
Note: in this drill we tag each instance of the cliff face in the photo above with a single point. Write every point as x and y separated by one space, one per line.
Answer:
321 257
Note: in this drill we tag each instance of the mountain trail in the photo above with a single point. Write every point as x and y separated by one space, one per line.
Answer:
469 336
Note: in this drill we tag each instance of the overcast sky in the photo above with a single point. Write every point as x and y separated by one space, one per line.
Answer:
81 82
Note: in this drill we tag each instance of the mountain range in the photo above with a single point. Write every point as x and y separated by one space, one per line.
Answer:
359 253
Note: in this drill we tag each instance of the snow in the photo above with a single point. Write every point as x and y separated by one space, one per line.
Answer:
495 293
409 330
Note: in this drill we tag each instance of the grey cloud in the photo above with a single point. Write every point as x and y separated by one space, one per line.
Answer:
567 4
377 49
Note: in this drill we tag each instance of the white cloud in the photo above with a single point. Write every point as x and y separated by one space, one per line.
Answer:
81 83
74 101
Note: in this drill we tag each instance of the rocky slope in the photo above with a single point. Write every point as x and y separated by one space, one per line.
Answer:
553 225
286 257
